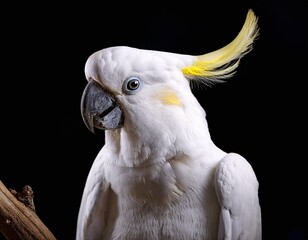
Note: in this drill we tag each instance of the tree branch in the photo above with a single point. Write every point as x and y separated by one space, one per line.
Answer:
18 220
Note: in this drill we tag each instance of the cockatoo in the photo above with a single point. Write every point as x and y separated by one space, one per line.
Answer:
159 175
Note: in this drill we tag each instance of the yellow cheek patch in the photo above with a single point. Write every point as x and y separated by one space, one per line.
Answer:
169 97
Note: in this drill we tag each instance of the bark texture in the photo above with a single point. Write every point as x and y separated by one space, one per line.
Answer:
18 220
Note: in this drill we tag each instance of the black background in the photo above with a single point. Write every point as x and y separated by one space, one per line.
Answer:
259 113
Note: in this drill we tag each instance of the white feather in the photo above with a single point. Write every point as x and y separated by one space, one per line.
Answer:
161 176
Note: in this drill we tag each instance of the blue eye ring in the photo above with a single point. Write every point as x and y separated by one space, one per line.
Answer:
131 85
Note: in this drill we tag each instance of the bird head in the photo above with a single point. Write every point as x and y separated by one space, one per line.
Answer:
139 89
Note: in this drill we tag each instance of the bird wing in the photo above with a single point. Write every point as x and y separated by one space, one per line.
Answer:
94 209
237 191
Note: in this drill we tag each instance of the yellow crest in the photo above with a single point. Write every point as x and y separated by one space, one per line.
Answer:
222 63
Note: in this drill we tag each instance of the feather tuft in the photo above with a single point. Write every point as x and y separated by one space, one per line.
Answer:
221 64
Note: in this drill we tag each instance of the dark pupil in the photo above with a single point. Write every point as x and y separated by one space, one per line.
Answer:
132 85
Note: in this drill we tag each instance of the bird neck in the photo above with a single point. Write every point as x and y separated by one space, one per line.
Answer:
139 147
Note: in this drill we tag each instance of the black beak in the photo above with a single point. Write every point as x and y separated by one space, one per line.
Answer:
99 108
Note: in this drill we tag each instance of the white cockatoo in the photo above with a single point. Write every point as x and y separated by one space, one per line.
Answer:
159 175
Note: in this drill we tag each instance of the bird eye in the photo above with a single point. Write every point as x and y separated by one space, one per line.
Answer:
132 85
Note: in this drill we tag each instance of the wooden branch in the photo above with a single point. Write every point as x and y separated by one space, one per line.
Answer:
18 220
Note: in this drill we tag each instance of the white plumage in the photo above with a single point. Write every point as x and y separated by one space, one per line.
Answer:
159 175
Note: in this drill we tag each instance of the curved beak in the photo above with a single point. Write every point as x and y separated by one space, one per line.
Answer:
99 109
